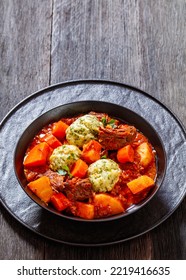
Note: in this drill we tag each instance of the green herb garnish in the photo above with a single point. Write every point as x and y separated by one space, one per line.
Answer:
61 172
104 121
103 157
65 171
66 168
112 123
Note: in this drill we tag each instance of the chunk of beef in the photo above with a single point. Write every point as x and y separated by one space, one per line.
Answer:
56 180
78 189
34 173
100 116
116 138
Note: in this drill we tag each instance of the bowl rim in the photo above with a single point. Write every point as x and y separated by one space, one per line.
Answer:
136 207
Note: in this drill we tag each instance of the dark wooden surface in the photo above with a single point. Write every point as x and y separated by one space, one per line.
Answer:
142 43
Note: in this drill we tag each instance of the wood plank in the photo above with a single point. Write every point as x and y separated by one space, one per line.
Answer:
18 242
163 52
25 49
25 67
138 248
135 42
169 238
95 39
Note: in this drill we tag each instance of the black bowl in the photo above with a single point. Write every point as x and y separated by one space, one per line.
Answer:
81 107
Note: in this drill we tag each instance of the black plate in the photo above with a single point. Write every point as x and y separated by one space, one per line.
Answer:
83 107
57 228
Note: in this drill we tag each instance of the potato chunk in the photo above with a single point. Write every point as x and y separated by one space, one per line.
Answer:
107 205
85 211
141 183
42 188
145 152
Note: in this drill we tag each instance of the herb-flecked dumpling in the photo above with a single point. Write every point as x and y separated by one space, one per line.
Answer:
63 156
103 175
83 130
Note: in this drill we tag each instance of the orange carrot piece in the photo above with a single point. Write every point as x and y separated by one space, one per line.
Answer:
59 129
79 169
125 154
95 145
52 141
141 183
60 201
91 151
90 156
37 156
85 210
92 145
42 188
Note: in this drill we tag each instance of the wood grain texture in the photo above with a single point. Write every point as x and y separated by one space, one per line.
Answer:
142 43
25 30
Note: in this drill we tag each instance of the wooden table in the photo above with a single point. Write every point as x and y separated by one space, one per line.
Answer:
142 43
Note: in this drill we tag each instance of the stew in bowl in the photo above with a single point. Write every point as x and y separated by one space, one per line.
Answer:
90 160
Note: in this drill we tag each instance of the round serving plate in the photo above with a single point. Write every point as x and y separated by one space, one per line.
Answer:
55 227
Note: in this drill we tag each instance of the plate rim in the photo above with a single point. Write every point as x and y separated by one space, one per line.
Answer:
90 81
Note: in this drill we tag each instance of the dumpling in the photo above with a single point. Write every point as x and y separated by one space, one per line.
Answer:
103 175
83 130
63 156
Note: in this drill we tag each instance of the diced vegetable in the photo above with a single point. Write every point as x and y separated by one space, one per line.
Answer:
125 154
42 188
145 152
90 156
93 144
91 151
79 169
60 201
52 141
59 129
108 204
85 210
37 156
141 183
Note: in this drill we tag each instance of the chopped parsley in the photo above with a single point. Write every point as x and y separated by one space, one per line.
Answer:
111 122
62 172
65 171
103 157
104 121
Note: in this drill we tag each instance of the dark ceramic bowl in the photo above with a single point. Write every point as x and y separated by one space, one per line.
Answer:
73 109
